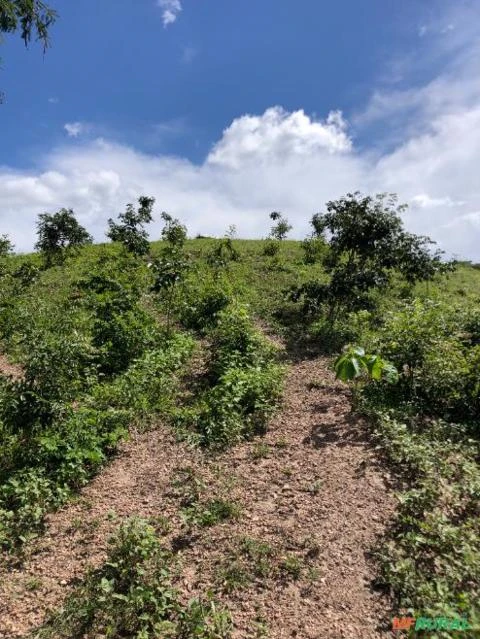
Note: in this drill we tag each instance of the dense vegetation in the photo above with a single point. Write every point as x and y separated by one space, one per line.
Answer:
105 337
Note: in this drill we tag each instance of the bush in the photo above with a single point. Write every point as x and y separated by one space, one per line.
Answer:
235 343
427 343
239 405
122 330
246 383
314 249
129 230
39 473
271 248
202 303
150 383
60 234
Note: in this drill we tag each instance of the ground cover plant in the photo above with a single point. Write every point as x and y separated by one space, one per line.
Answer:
133 595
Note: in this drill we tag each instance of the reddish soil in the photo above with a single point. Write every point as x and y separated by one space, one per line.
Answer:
311 489
9 369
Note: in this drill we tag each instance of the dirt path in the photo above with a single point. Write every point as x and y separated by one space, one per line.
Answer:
311 497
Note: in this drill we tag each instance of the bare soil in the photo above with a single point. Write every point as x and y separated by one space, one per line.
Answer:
8 368
311 489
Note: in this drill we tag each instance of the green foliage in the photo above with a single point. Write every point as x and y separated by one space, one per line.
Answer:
26 274
367 244
239 404
129 230
46 455
170 268
281 229
222 253
432 558
271 247
132 595
355 363
32 17
245 383
211 512
59 234
122 329
6 246
236 343
431 345
151 382
202 302
173 232
314 249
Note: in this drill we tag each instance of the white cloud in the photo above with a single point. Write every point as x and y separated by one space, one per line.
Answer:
173 127
170 10
278 134
447 28
278 160
74 129
53 100
424 201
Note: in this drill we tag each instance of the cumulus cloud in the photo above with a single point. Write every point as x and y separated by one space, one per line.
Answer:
278 134
273 161
74 129
170 10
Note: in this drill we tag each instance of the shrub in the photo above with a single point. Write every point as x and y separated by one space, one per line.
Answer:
222 253
239 405
6 246
170 268
245 382
281 228
367 245
314 249
122 329
236 343
430 347
132 595
202 302
150 383
271 247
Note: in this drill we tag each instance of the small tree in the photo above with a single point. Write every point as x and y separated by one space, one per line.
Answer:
278 232
6 246
130 231
355 366
282 228
223 251
169 269
58 234
366 245
173 232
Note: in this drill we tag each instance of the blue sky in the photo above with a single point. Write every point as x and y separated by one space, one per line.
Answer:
225 110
